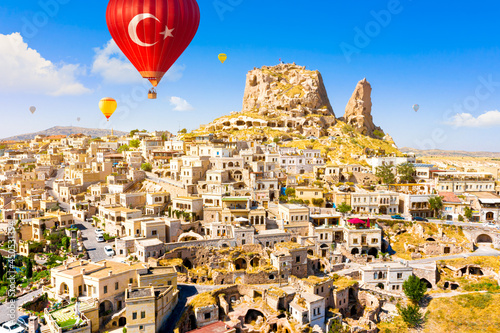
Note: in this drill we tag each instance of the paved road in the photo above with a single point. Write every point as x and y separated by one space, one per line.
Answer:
94 249
4 308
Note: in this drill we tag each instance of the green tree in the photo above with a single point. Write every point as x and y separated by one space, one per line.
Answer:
318 202
414 289
436 204
411 315
146 167
337 327
29 269
123 148
183 131
2 271
133 132
283 198
135 143
468 213
385 174
406 172
276 140
290 192
344 208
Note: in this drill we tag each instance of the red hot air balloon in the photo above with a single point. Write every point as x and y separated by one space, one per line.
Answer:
153 33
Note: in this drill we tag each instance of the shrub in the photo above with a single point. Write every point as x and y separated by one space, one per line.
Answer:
411 315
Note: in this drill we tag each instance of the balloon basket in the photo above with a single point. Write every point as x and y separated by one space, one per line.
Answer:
152 94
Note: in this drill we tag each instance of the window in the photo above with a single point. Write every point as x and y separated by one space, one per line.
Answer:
134 315
105 289
400 275
154 232
207 316
297 259
131 281
141 327
143 314
116 285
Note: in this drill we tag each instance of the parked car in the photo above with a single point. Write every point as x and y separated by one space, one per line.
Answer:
99 238
421 219
109 251
397 217
12 327
23 321
99 232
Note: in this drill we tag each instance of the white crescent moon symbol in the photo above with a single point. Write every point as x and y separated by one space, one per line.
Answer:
132 29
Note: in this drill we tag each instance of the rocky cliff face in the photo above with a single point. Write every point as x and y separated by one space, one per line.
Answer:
286 88
358 112
289 103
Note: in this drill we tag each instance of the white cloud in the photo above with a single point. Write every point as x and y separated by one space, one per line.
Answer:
24 69
180 104
487 119
114 67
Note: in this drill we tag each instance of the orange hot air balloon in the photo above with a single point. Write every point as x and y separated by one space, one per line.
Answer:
108 107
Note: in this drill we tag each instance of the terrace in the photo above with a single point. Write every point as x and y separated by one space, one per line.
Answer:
67 319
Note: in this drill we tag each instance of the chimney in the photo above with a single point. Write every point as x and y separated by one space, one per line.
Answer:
83 271
110 273
81 262
130 287
104 263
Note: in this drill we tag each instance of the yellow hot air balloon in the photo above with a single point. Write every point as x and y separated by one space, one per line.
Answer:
108 106
222 57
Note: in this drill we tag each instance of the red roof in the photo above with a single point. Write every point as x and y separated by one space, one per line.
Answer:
450 197
218 327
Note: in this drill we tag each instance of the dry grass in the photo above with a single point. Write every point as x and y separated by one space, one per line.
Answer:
398 242
202 300
472 313
397 325
344 282
487 262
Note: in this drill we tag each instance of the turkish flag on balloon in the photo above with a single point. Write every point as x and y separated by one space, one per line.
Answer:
153 33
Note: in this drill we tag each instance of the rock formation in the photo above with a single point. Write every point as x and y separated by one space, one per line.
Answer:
358 112
283 88
289 103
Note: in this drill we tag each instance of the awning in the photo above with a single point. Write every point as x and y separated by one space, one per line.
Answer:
489 201
356 221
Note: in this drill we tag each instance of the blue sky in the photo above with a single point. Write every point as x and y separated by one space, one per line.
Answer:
443 56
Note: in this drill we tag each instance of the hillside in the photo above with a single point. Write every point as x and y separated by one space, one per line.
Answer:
289 104
450 153
61 130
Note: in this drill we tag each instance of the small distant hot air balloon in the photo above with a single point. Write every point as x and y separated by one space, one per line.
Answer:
416 107
153 33
78 119
108 107
223 57
32 109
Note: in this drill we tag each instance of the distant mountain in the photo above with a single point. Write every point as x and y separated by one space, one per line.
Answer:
61 130
450 153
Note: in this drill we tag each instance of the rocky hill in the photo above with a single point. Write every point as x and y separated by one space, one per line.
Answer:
290 103
61 130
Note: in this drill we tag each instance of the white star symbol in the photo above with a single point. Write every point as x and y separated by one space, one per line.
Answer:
167 32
